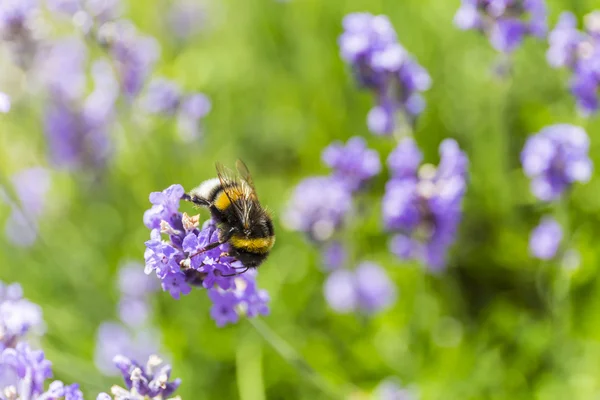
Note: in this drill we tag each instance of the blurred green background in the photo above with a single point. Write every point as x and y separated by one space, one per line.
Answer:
496 325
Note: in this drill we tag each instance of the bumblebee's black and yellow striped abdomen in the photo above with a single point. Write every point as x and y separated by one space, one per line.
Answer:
242 222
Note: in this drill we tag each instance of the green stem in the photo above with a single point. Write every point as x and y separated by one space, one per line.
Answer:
290 355
248 361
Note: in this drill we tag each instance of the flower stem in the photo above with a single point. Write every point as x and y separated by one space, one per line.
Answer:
290 355
248 361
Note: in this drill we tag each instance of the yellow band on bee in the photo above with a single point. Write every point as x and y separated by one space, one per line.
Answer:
254 245
222 201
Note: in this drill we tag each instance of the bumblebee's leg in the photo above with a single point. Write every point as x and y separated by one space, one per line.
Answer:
207 248
196 200
238 273
211 246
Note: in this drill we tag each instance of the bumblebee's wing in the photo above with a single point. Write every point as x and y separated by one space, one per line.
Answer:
231 186
244 173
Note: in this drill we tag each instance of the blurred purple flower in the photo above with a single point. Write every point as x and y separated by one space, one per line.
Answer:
96 11
18 26
133 282
62 68
555 158
15 16
186 18
369 44
58 390
545 239
4 103
177 263
18 316
367 289
334 256
193 108
166 98
76 125
150 381
505 22
390 389
135 56
114 338
580 52
23 372
422 205
162 97
30 186
353 164
318 207
135 287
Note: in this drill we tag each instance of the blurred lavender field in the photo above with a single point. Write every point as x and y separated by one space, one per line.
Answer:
430 167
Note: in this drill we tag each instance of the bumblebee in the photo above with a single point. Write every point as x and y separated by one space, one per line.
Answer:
242 222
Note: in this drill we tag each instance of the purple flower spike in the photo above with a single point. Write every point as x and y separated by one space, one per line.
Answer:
179 263
186 18
367 289
353 164
166 98
505 22
545 239
422 205
318 207
150 381
28 368
580 52
18 316
163 97
555 158
334 256
390 389
135 56
369 44
114 338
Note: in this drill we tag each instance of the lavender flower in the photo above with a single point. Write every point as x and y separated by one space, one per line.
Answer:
334 256
77 125
580 52
545 239
555 158
133 282
24 372
369 44
143 382
186 18
353 164
179 265
422 205
193 108
17 28
134 56
135 287
4 103
166 98
162 97
93 12
318 207
390 389
367 289
30 186
115 338
505 22
18 316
